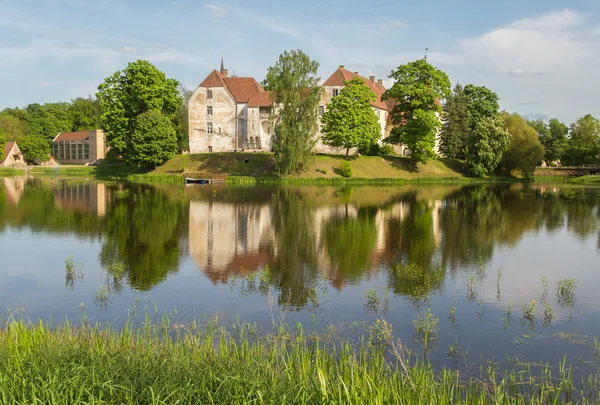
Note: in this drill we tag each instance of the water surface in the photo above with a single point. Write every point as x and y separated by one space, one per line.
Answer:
317 255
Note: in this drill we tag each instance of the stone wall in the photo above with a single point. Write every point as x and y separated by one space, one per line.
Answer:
223 121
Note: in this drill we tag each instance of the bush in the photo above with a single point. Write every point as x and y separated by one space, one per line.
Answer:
323 171
345 170
377 150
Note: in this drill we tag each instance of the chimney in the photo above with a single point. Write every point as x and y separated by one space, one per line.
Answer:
342 66
372 79
380 82
224 72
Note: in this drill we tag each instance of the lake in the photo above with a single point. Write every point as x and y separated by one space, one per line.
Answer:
461 262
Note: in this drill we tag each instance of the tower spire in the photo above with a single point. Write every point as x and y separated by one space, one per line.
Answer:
222 65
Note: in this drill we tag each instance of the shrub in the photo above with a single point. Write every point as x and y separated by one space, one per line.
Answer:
345 169
322 171
377 150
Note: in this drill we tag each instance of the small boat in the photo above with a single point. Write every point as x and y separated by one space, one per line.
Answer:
196 181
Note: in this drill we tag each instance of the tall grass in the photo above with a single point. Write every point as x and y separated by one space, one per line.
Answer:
163 364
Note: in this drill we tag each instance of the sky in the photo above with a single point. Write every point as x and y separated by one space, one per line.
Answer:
540 56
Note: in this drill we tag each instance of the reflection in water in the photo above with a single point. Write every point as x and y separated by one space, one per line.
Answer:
345 236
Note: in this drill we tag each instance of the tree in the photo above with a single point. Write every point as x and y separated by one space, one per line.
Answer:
2 143
350 121
35 148
553 138
418 87
13 127
296 93
584 142
182 119
485 145
525 151
125 95
456 125
481 103
47 120
556 142
84 114
153 139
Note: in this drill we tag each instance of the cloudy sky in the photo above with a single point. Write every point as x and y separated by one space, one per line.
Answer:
538 55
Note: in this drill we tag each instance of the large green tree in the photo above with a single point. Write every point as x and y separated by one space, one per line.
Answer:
486 145
481 103
350 121
552 136
35 149
296 92
13 127
2 143
182 119
556 142
418 88
525 151
455 128
125 95
84 114
584 142
153 139
47 120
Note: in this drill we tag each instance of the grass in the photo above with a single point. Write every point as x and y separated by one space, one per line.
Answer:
10 172
210 364
253 168
590 180
210 165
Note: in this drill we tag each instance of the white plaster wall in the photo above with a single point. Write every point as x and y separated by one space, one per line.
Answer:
223 118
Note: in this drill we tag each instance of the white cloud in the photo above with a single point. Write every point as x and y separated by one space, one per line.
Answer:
216 11
516 73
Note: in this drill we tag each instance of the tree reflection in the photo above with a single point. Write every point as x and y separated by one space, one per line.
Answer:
349 243
143 232
294 271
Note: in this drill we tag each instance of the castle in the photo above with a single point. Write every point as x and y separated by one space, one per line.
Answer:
230 113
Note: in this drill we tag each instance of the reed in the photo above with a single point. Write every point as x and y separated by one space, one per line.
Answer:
163 363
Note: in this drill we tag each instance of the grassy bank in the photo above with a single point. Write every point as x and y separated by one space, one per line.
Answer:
212 365
253 168
591 180
10 172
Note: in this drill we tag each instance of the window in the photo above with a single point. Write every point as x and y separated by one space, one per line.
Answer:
378 113
208 93
321 110
336 92
86 151
209 127
219 130
209 110
80 151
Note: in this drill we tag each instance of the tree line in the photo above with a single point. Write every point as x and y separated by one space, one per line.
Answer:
144 115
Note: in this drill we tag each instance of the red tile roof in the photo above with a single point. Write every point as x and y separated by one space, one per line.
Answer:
7 148
73 136
260 99
342 75
242 89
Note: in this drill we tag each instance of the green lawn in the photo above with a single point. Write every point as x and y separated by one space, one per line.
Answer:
322 167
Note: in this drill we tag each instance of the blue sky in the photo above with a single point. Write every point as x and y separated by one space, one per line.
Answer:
539 56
